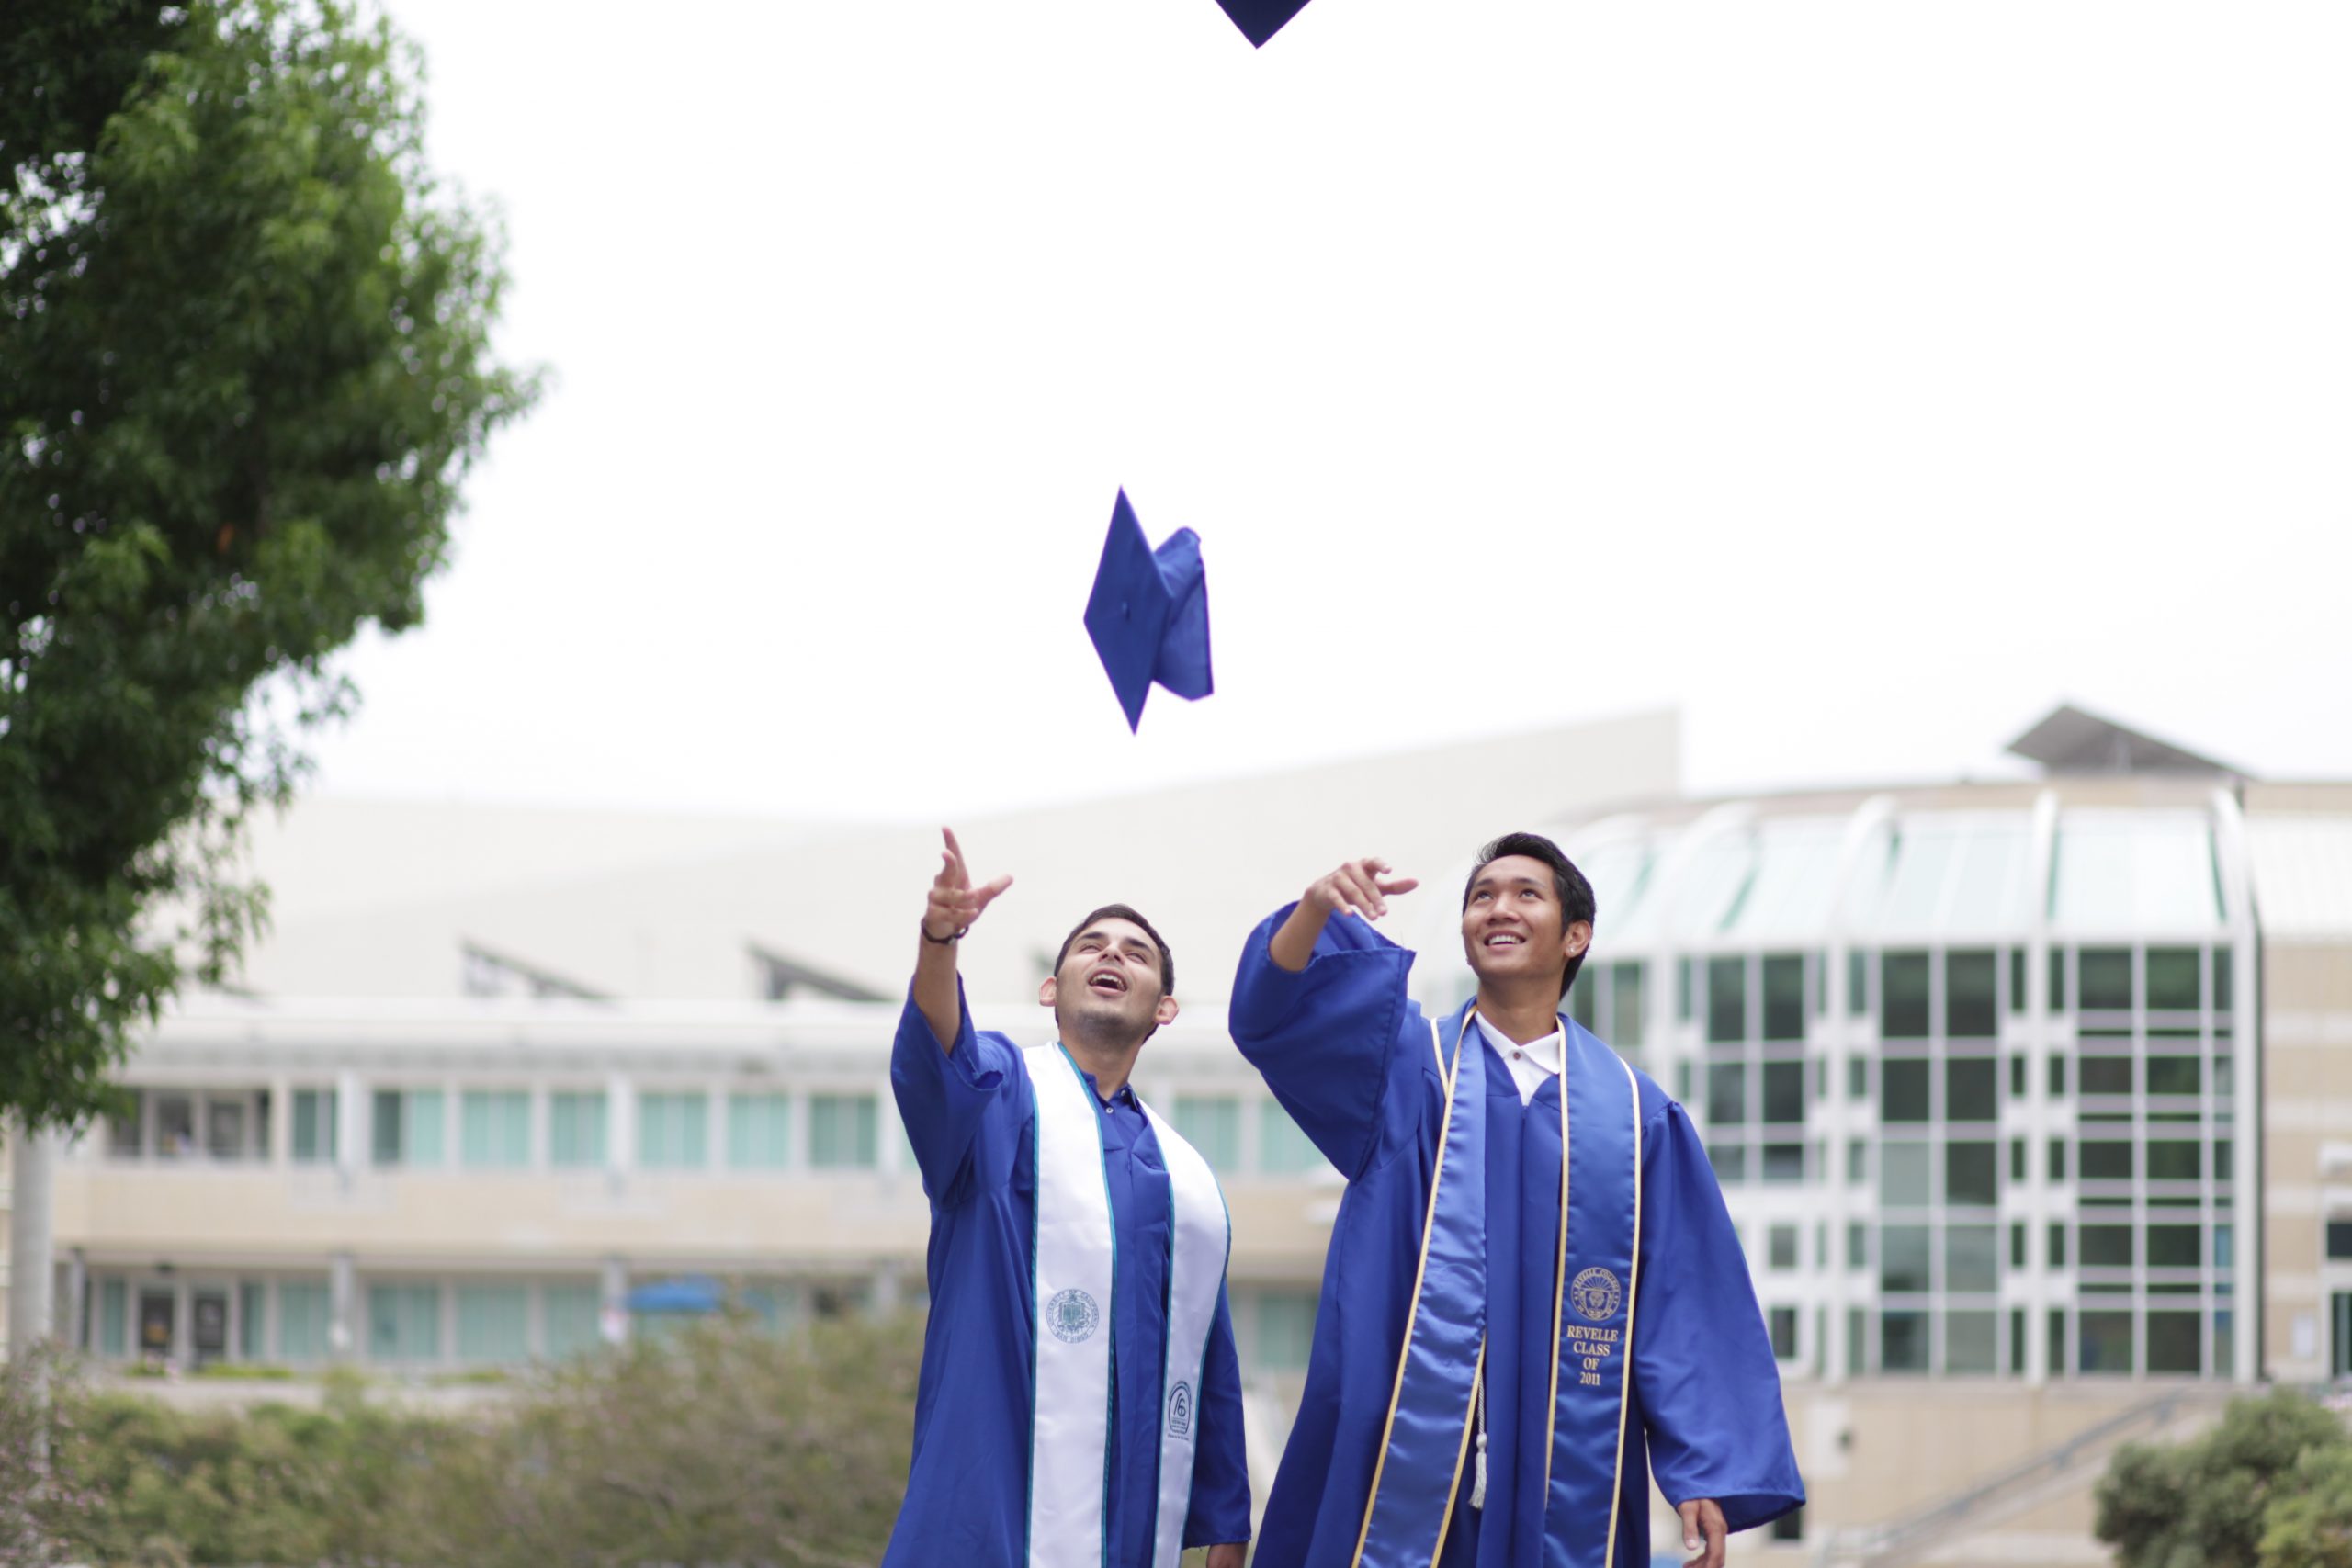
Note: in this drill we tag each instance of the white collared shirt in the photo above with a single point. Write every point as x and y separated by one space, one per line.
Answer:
1531 1063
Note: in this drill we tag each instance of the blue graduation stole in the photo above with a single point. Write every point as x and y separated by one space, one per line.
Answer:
1432 1411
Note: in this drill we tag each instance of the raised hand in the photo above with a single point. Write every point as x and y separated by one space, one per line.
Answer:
1359 887
954 903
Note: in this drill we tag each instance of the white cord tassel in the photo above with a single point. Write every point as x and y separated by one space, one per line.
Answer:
1478 1475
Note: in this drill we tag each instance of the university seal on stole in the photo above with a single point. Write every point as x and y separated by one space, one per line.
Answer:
1179 1411
1072 1316
1597 1295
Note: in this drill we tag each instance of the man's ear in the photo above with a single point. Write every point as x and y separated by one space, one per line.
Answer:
1047 992
1578 938
1165 1013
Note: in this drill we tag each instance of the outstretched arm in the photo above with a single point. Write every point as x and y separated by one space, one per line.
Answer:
1359 887
953 904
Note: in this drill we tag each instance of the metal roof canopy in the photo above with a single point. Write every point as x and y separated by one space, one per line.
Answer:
2072 741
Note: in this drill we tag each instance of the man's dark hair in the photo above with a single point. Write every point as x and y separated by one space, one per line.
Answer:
1125 912
1575 893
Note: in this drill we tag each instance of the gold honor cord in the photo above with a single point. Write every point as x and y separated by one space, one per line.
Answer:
1413 1307
1633 1297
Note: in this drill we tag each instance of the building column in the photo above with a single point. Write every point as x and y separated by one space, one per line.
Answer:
183 1354
350 1126
342 1308
613 1318
77 1301
620 1128
280 1152
888 1298
31 1264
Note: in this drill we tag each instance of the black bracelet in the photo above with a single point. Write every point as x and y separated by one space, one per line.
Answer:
942 940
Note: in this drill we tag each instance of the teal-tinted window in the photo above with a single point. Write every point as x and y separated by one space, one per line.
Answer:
2173 982
1580 1005
408 1127
1286 1331
1781 1247
2017 987
572 1313
1626 1023
2107 979
1726 1094
1784 1091
1903 1090
2017 1244
2016 1159
2106 1075
1858 1161
576 1121
1730 1161
2172 1342
1858 1244
253 1320
1726 999
2104 1347
841 1132
2017 1076
2174 1075
305 1312
2222 1159
1784 996
493 1323
2176 1246
2223 977
2057 1077
2106 1246
1212 1123
1685 983
1968 1342
2057 979
674 1131
314 1126
1903 1175
2016 1340
494 1128
2105 1159
1903 1258
114 1318
1970 1264
2057 1245
2057 1159
1903 995
1282 1149
2172 1159
1972 1088
1858 993
1971 1008
1781 1324
758 1130
403 1323
1902 1341
1857 1078
1969 1174
1783 1164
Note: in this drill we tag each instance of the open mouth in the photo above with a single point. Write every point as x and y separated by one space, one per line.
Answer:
1503 940
1107 983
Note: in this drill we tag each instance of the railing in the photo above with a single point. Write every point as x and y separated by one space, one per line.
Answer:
1883 1545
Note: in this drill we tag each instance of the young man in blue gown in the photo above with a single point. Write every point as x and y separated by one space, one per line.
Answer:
1079 1403
1534 1297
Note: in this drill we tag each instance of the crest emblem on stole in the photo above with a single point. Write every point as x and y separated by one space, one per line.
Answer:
1071 1316
1597 1295
1179 1411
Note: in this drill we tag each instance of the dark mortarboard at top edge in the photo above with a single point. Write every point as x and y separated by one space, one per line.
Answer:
1261 19
1148 614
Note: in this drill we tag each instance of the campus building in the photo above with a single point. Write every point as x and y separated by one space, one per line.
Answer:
2025 1094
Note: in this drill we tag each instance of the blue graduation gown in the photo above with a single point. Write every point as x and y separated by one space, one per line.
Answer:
1348 1054
968 1115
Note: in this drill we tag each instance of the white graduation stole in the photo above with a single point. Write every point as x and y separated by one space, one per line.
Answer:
1074 1262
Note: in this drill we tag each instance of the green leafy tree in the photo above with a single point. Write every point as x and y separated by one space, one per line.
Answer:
2204 1504
2309 1524
244 363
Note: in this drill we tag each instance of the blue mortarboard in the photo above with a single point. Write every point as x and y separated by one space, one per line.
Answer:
1261 19
1149 613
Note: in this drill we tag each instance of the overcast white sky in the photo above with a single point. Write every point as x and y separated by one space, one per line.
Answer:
1862 379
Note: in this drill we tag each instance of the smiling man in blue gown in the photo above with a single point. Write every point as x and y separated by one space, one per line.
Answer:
1533 1299
1079 1404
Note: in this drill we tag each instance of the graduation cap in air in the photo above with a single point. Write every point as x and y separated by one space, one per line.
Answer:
1149 613
1261 19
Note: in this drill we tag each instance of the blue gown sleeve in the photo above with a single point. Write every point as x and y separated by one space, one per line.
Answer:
1220 1506
1331 1039
1702 1362
953 1101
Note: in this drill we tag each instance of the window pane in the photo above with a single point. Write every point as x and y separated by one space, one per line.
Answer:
1212 1124
405 1323
1969 1174
1858 1244
1858 1161
2172 1342
1282 1148
1903 1175
1580 1003
426 1124
758 1130
1726 999
1784 1091
314 1126
1902 1341
2017 980
1903 986
2017 1244
1783 1164
1857 1078
2173 1160
1902 1090
1971 1007
1857 973
1968 1342
673 1132
2106 1075
1903 1258
1781 1247
224 1129
1970 1264
2057 1244
2339 1238
1784 997
2221 980
2106 1343
1726 1094
252 1320
2107 979
1730 1161
494 1128
1781 1323
2106 1159
389 1112
1972 1088
2057 983
572 1313
2176 1246
304 1312
2174 1075
2173 982
2106 1246
175 1126
1286 1331
2057 1159
493 1323
2016 1159
842 1132
576 1127
1627 1026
